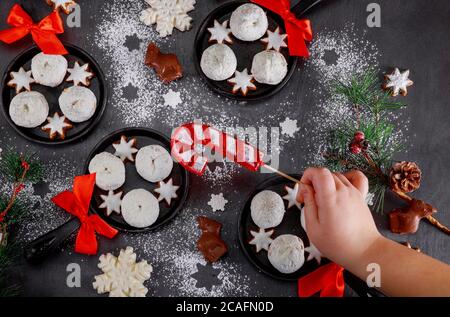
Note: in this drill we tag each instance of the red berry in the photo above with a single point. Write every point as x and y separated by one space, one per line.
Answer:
359 136
25 166
19 188
355 148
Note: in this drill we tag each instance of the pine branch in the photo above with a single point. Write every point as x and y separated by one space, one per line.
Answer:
11 167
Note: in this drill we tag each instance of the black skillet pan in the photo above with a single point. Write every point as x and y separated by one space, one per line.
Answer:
245 51
38 249
290 225
79 130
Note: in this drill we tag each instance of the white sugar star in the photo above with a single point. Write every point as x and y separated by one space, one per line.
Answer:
289 127
291 196
21 80
167 191
65 5
275 40
261 239
220 32
79 74
313 253
56 126
217 202
398 82
172 98
111 202
125 149
242 81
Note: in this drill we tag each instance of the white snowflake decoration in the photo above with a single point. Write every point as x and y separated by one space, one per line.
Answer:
122 277
172 98
289 127
217 202
168 14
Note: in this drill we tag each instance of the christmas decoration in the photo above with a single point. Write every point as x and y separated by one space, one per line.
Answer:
366 143
168 14
210 243
289 127
122 276
298 30
166 66
43 33
397 82
17 169
172 98
77 204
217 202
328 280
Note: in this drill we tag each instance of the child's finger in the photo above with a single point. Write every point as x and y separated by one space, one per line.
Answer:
307 197
321 180
359 180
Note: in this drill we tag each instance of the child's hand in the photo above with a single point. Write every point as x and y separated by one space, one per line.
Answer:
338 221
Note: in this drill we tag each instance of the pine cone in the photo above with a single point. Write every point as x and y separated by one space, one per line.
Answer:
405 177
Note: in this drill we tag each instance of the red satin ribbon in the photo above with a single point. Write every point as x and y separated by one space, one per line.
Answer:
43 33
327 279
77 203
298 30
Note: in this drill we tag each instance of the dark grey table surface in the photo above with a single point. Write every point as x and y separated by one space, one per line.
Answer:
413 35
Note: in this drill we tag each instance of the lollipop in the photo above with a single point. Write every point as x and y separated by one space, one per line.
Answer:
189 141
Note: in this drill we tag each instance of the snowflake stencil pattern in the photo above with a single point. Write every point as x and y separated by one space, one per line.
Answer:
168 14
289 127
122 277
217 202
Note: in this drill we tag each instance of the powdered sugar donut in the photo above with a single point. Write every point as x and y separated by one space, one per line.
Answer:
269 67
267 209
154 163
287 253
248 22
218 62
28 109
140 208
78 103
49 70
109 169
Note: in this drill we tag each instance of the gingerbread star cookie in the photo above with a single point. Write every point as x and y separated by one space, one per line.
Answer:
261 239
57 126
167 191
111 202
80 74
65 5
275 40
242 81
125 149
21 80
220 32
291 196
397 82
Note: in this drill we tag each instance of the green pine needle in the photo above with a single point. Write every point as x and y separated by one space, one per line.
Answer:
11 167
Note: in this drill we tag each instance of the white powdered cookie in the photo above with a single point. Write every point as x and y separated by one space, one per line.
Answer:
140 208
167 191
77 103
398 82
154 163
111 202
110 171
49 70
80 74
269 67
57 126
261 239
267 209
242 81
286 253
220 32
125 149
248 22
218 62
28 109
21 80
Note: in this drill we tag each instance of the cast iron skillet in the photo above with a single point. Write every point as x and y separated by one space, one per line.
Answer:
79 130
290 225
38 249
245 50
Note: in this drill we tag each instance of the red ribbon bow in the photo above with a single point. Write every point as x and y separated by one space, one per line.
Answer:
43 33
298 30
327 279
77 203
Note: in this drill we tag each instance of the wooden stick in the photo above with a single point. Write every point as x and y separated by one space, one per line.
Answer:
270 168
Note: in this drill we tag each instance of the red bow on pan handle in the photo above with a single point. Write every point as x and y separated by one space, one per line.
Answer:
298 30
328 280
77 203
43 33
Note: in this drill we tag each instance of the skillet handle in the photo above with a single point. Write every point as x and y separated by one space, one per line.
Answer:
303 6
36 251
